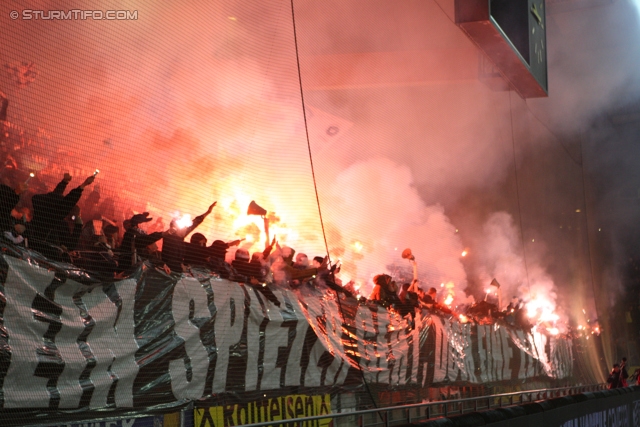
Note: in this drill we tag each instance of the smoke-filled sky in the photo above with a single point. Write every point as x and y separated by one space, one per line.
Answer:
198 101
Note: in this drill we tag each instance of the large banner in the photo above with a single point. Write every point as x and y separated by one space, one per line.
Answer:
154 341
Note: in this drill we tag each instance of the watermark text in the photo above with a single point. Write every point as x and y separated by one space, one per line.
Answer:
74 15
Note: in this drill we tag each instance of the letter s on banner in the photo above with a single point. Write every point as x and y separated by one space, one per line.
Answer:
186 290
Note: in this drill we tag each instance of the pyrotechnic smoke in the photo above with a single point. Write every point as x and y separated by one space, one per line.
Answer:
502 258
378 213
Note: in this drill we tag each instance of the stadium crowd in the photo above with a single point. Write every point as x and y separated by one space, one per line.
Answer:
97 234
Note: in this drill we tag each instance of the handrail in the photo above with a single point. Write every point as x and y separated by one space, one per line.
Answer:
384 413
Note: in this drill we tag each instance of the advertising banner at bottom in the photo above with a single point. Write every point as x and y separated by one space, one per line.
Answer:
273 409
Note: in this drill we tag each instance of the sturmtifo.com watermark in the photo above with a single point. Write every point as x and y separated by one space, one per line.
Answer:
75 14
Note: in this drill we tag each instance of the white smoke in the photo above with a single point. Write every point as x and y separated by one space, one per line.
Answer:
378 213
502 258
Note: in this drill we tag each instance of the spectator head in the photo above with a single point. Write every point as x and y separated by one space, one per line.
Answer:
317 261
432 292
199 239
287 254
302 260
257 257
126 224
110 230
624 359
242 255
219 249
385 282
138 219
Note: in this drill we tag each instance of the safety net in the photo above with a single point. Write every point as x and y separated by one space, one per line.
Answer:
256 211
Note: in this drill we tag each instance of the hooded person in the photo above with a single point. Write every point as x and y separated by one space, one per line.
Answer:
244 271
302 261
9 198
288 273
385 290
197 254
90 206
49 212
97 255
135 242
173 245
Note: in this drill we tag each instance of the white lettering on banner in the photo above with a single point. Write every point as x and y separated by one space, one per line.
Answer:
228 329
187 290
527 358
636 413
464 352
372 344
596 419
453 357
313 374
275 336
292 376
507 353
337 371
540 342
482 353
442 350
439 369
253 338
450 362
329 339
399 349
619 416
364 327
496 354
113 344
24 281
382 347
565 359
415 342
67 342
516 338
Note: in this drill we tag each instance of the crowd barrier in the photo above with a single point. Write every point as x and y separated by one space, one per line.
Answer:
606 408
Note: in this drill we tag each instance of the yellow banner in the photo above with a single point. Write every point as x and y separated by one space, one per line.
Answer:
275 409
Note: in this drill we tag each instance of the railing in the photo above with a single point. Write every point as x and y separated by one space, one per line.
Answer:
396 415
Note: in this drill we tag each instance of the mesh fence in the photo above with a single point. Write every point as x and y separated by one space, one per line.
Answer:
199 199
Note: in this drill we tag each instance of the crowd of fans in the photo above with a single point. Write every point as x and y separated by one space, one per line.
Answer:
95 235
65 229
54 224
